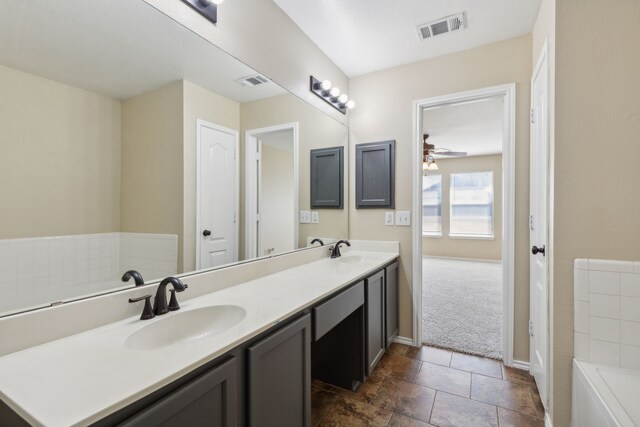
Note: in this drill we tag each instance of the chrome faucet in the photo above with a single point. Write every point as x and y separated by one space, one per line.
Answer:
335 251
160 302
137 277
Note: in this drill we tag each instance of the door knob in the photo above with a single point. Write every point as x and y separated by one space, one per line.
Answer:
206 233
535 250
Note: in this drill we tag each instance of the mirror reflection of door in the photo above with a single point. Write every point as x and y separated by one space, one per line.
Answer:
217 195
275 191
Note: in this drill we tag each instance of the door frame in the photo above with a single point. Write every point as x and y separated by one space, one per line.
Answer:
252 185
542 65
203 123
508 92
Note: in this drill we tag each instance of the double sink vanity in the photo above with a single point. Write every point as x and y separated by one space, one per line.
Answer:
240 355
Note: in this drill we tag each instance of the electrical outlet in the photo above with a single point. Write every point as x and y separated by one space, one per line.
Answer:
315 217
305 217
388 218
403 218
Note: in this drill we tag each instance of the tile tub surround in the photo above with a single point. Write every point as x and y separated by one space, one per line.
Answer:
30 380
38 271
607 312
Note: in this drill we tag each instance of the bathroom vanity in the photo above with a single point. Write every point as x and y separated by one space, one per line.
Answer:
257 370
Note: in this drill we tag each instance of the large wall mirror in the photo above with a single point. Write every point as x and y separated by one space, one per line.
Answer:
130 143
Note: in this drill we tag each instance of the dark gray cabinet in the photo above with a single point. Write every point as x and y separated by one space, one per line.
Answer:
208 400
279 377
391 302
327 181
375 175
375 320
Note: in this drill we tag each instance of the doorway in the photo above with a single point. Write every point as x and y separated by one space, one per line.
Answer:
271 190
216 195
467 231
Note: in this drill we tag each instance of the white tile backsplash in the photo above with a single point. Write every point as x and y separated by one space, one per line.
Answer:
37 265
605 353
630 333
630 357
607 312
604 306
604 282
630 309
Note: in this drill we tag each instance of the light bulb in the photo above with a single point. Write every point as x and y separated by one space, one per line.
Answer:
343 98
326 85
350 104
216 1
334 92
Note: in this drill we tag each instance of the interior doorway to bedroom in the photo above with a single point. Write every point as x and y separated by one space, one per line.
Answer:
463 298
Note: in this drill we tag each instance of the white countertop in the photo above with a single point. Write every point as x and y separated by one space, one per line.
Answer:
85 377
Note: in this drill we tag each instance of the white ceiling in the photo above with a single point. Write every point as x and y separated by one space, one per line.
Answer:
474 127
117 47
362 36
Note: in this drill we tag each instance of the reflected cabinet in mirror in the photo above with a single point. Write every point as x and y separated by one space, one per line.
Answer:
130 143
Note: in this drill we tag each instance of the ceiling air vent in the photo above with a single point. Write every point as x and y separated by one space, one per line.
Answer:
254 80
442 26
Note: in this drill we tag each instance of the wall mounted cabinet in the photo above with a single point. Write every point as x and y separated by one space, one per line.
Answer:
375 175
327 180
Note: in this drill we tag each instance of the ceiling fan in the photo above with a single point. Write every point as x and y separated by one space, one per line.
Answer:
430 150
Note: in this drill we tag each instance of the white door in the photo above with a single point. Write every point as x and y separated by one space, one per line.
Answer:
217 188
539 211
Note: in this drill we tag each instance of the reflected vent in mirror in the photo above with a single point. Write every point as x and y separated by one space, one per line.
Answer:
254 80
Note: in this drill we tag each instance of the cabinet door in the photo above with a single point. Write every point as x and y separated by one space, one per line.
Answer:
208 400
391 303
375 319
279 377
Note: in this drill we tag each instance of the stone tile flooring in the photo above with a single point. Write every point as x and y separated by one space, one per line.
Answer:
427 386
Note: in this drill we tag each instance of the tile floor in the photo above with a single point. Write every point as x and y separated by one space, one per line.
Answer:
432 387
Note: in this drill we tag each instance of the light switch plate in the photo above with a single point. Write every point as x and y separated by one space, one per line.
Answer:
315 217
403 218
305 217
388 218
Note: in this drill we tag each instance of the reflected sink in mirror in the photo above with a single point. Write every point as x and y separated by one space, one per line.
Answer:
350 259
185 326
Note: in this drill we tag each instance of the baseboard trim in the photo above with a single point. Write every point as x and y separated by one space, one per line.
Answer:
519 364
547 420
403 340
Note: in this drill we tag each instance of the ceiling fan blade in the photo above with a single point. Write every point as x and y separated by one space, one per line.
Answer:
451 153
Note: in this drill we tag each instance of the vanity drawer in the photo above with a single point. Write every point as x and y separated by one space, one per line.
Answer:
330 313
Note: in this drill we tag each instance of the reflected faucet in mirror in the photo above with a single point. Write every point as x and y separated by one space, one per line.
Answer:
137 277
335 251
316 240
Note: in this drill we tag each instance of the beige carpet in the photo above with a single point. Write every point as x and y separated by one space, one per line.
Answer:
462 306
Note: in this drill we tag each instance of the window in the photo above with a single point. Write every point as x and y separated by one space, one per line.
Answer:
432 205
471 204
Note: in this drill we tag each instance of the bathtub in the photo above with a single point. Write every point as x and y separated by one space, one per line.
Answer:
605 396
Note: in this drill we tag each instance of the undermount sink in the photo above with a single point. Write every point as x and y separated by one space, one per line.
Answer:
350 259
184 326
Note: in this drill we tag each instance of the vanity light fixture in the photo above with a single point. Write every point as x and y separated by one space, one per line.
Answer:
331 95
207 8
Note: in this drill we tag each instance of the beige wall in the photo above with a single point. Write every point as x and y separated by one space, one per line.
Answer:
385 112
597 154
560 388
60 158
262 36
468 248
199 103
315 130
152 166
